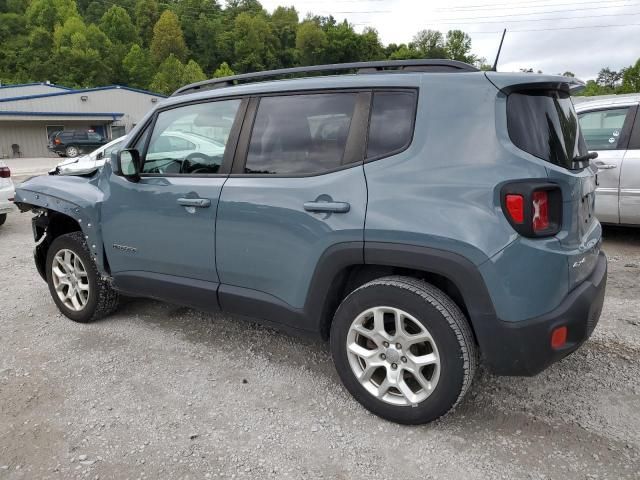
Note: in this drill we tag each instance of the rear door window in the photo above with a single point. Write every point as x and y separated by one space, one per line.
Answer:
602 129
391 124
300 134
544 124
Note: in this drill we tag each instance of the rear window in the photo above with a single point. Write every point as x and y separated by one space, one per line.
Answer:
544 124
391 127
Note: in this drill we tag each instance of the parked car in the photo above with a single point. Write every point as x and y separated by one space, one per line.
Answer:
87 163
611 127
421 216
71 143
6 192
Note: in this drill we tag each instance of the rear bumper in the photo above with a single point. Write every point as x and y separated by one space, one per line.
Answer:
6 205
524 347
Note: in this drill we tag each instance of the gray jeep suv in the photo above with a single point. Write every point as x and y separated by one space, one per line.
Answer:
422 216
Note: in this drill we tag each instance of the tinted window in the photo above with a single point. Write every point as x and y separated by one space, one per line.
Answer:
544 124
80 136
602 129
190 139
66 136
95 137
300 134
391 126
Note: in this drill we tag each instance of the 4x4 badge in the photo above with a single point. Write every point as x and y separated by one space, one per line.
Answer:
125 248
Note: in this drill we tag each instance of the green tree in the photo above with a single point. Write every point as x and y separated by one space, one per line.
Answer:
169 76
117 25
284 22
224 70
146 15
94 12
430 44
79 54
192 73
370 45
631 79
255 44
138 67
48 13
458 46
311 42
168 38
609 79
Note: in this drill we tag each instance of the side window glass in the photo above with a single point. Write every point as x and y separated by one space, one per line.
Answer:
190 139
95 136
113 148
300 134
80 136
602 129
391 126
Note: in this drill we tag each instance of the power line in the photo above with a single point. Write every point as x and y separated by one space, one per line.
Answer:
494 6
537 13
557 28
543 19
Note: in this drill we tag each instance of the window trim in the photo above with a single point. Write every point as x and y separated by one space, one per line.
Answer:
416 94
359 126
230 148
54 133
625 131
634 139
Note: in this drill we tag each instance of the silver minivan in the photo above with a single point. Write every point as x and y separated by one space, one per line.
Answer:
611 127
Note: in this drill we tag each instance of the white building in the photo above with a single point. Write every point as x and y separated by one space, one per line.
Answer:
30 113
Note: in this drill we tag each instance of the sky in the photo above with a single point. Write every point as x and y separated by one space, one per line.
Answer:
554 36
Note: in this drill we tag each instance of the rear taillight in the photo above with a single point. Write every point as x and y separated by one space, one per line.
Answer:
515 207
534 209
5 172
57 141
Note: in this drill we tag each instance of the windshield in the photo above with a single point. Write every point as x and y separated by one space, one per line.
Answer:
544 124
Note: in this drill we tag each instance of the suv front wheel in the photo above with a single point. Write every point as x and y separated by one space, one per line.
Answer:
403 349
71 151
76 286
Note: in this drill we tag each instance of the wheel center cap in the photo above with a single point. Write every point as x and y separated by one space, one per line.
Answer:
392 355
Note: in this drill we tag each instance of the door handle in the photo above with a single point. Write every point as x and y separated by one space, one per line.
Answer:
194 202
329 207
604 166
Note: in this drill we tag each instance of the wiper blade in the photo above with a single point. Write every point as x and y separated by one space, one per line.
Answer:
585 157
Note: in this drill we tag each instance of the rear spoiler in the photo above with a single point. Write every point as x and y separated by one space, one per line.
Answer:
511 82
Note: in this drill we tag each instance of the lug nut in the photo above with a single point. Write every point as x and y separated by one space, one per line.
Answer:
383 356
404 359
398 346
386 344
394 365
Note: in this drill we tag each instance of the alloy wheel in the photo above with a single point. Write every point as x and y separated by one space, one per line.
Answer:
70 280
393 356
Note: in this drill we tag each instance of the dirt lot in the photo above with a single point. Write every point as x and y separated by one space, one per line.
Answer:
158 391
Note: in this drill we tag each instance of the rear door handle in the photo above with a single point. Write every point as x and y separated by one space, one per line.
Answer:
604 166
194 202
330 207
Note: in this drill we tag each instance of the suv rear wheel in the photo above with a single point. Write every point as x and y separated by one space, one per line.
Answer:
71 151
77 288
403 349
3 218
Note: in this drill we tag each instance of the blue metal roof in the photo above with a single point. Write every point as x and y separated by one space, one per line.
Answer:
114 115
17 85
81 91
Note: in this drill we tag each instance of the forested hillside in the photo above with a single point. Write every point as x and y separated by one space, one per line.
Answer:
163 44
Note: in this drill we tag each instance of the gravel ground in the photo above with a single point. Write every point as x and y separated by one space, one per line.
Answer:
158 391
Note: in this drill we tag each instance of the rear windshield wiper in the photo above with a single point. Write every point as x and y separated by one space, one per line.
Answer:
585 157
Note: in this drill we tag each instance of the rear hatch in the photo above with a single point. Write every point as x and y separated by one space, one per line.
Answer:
542 121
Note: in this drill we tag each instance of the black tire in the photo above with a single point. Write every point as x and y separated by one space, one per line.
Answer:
102 299
70 149
3 218
444 321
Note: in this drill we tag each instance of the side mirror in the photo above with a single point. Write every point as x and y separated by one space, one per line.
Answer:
129 164
99 156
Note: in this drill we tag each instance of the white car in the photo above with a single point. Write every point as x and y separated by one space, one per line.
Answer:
88 163
611 126
6 192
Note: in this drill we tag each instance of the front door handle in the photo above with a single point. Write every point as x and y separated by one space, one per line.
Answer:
194 202
605 166
328 207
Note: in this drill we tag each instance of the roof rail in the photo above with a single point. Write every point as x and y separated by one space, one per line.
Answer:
421 65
